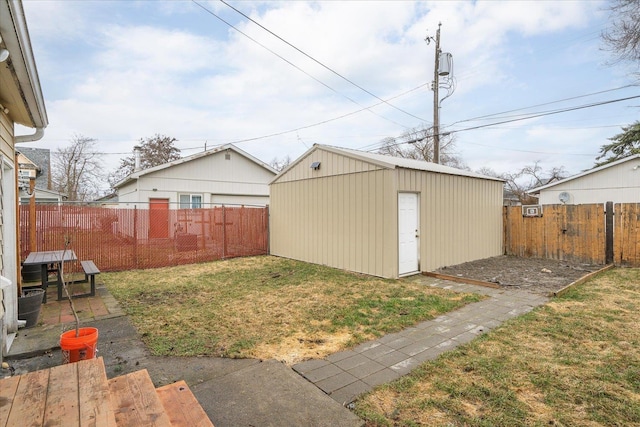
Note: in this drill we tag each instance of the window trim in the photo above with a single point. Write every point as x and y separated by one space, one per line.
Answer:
192 204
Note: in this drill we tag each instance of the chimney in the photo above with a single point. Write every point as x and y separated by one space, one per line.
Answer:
136 155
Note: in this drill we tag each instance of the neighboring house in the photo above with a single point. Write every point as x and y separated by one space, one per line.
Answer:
35 163
225 175
509 198
43 197
108 201
382 215
617 182
21 103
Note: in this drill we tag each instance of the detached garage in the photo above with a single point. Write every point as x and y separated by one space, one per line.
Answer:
382 215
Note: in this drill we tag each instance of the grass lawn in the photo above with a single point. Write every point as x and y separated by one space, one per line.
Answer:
573 362
268 307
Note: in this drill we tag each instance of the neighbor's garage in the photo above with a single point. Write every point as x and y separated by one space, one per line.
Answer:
382 215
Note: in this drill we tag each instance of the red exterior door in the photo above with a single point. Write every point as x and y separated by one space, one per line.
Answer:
158 218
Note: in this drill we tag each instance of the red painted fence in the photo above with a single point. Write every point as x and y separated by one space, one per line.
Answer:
123 239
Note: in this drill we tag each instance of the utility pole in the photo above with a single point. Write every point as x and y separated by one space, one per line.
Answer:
436 102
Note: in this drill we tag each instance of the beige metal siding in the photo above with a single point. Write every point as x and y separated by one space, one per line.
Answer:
331 164
345 215
343 221
460 217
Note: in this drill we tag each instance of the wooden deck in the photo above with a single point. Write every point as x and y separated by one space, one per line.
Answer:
79 394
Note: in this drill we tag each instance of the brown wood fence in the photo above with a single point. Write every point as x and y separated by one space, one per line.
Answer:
576 233
122 239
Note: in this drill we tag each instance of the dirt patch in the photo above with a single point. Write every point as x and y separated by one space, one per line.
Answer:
536 275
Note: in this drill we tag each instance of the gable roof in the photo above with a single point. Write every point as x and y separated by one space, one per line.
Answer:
134 176
391 162
41 159
584 173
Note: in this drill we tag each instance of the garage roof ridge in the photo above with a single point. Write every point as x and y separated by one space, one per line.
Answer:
393 162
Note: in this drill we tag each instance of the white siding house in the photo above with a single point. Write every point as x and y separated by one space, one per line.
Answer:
173 192
224 175
617 182
21 102
381 215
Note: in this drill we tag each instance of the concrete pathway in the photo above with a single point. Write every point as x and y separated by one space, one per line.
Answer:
268 393
347 374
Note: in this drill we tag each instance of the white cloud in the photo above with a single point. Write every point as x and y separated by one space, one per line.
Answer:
131 70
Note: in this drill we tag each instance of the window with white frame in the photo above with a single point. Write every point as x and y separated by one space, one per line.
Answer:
190 201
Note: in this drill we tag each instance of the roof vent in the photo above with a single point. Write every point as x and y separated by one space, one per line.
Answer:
315 166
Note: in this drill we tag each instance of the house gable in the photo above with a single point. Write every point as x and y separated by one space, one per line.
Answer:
222 172
226 171
341 161
617 182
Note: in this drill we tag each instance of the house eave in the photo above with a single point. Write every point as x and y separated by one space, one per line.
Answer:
584 173
138 174
20 91
388 162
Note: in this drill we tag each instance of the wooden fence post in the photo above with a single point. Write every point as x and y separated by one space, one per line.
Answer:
33 245
608 250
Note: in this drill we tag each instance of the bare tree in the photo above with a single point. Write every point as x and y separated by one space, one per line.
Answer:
278 164
417 144
77 169
518 184
623 39
154 151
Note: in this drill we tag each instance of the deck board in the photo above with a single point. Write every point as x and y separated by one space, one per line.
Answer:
136 402
79 394
30 399
62 397
8 389
182 407
94 399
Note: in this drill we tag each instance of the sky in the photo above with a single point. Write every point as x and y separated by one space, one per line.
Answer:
318 72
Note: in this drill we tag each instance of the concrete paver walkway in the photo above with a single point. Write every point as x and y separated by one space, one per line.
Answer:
253 392
347 374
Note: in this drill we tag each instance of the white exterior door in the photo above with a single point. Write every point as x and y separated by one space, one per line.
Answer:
408 234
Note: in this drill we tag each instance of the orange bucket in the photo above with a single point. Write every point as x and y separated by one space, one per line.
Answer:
81 347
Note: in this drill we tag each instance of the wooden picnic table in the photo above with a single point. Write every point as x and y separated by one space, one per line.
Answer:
50 261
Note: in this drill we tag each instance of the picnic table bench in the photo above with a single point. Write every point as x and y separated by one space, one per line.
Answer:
79 394
90 271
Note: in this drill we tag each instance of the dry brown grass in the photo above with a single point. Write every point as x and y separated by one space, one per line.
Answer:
575 361
268 307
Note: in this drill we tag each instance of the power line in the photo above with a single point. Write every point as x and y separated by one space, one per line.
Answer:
548 113
293 65
541 105
277 133
530 151
320 63
531 116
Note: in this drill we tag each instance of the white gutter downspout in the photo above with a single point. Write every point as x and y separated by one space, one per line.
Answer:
39 133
